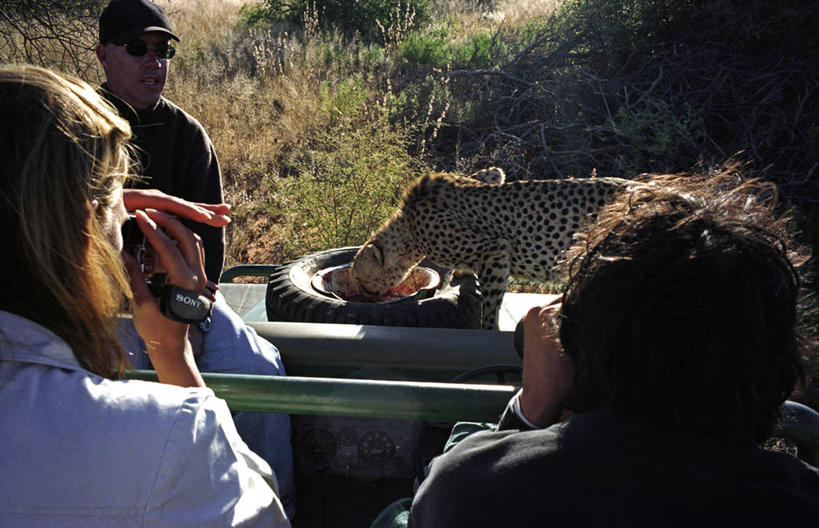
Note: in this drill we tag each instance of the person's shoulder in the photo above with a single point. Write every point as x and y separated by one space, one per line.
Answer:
780 469
165 105
504 450
155 411
169 108
155 401
455 492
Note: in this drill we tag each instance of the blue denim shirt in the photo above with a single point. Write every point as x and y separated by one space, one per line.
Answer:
81 450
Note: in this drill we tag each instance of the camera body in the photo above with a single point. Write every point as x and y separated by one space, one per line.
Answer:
179 304
135 244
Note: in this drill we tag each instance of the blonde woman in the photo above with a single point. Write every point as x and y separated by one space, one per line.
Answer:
80 446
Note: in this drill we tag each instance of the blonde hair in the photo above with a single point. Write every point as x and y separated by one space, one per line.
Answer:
63 148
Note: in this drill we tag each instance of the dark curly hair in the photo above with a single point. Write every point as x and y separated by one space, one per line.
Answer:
681 305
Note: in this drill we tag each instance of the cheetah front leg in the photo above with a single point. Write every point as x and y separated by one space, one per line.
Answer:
494 278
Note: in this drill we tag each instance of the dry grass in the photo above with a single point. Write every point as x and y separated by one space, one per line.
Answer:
200 19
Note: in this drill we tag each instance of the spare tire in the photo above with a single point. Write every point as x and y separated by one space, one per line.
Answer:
456 303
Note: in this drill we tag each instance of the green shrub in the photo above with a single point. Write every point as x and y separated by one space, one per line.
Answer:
657 135
420 109
350 177
607 34
426 48
482 50
344 101
440 47
253 16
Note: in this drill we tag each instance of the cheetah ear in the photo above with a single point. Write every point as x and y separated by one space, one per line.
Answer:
491 176
375 252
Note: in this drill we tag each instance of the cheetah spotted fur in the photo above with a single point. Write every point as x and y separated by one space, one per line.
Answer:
482 225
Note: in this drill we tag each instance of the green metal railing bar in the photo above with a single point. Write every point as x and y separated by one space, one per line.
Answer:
356 398
447 402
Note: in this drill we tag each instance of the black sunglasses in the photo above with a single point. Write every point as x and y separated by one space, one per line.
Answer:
138 48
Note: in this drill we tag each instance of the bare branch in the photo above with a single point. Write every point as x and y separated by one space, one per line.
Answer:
650 88
480 73
59 34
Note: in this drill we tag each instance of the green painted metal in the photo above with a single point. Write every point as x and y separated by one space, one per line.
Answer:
356 398
386 352
446 402
246 270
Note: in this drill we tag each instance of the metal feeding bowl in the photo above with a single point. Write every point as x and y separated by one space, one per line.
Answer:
336 282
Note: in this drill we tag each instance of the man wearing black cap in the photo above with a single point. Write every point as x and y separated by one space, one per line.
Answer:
178 158
176 153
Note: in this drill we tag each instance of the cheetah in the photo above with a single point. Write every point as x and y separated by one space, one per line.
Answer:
484 225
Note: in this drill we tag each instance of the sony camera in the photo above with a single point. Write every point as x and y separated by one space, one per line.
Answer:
135 243
179 304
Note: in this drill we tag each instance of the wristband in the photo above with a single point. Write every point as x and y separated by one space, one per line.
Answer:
184 306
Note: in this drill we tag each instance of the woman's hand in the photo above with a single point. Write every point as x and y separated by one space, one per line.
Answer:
215 215
182 257
548 373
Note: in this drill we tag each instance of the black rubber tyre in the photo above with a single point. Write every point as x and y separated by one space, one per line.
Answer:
290 297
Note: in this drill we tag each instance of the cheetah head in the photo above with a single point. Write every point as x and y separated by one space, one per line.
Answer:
374 270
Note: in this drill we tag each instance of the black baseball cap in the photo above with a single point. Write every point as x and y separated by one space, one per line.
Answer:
124 20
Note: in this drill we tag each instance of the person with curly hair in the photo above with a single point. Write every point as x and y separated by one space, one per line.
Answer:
649 386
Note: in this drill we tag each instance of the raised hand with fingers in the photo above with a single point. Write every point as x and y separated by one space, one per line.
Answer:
215 215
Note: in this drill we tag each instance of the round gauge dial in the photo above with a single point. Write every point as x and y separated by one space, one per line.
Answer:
376 448
347 437
318 444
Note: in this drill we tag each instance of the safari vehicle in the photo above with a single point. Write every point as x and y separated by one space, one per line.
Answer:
371 404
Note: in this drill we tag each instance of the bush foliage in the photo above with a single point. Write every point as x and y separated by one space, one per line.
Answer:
349 177
442 46
649 85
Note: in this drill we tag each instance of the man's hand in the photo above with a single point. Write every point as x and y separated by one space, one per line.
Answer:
548 373
215 215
